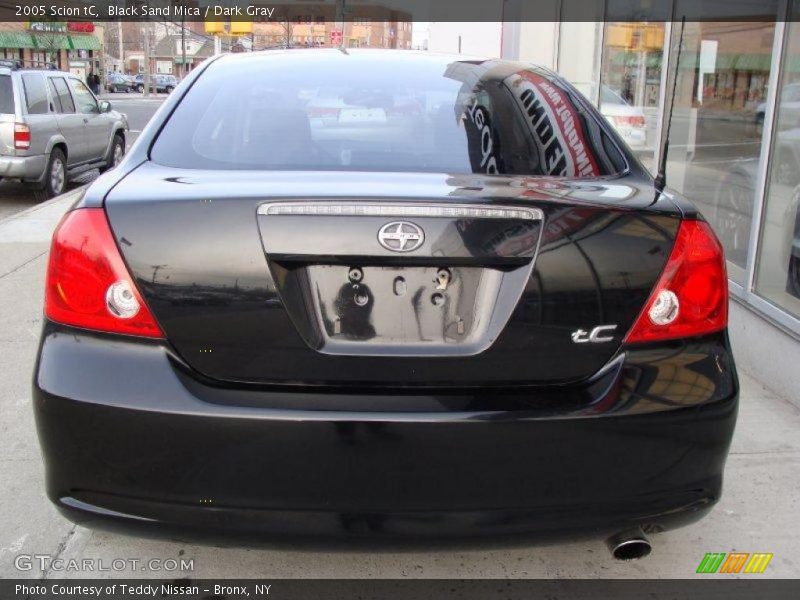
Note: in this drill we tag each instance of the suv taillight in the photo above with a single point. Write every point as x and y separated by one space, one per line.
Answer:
88 284
22 136
691 297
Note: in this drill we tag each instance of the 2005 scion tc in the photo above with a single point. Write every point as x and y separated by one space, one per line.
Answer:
385 295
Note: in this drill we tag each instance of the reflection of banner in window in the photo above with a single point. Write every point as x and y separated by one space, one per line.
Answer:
554 125
481 140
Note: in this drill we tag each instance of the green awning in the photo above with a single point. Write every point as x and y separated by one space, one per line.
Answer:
61 41
631 59
753 62
16 39
731 62
50 41
83 41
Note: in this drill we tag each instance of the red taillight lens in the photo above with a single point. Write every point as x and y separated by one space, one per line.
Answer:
87 283
22 136
691 297
630 121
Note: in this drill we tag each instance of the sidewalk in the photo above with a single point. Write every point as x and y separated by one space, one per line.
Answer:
759 512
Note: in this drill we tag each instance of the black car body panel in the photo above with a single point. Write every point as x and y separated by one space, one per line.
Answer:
212 284
461 398
157 446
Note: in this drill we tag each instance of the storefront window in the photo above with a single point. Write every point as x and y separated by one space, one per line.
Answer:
630 84
717 125
778 269
578 55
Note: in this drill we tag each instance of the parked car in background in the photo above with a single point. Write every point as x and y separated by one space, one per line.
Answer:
789 107
629 121
162 84
387 295
119 82
52 128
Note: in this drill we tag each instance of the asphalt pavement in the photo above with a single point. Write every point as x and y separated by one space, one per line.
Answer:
16 197
759 511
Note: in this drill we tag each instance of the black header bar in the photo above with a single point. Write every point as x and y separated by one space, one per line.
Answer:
394 10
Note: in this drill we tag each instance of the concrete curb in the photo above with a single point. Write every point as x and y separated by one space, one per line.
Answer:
45 204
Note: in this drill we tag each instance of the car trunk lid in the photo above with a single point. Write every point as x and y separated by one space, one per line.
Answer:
286 280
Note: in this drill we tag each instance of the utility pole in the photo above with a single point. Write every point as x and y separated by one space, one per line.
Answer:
340 12
121 47
183 47
146 78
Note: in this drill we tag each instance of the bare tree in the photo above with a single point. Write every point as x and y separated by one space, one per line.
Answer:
50 42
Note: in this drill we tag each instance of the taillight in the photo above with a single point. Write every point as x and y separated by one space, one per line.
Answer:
691 297
22 136
88 284
629 121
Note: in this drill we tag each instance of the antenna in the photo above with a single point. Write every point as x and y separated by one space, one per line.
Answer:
661 176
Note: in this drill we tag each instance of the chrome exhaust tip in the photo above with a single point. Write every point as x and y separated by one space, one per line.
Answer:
631 544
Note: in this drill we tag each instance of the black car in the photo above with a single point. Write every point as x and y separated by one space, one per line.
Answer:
388 296
119 83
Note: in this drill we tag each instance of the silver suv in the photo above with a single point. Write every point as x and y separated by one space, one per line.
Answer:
52 128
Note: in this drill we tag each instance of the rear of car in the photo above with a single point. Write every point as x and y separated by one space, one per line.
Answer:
52 128
23 102
384 295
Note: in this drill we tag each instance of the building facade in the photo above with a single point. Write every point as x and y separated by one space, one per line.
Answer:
314 30
75 47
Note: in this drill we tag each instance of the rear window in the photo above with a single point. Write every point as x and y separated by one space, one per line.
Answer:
358 113
35 94
6 95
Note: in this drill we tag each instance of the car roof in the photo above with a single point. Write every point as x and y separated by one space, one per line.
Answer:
391 56
9 70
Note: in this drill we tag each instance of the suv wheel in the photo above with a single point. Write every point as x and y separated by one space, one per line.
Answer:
55 178
140 88
169 89
117 152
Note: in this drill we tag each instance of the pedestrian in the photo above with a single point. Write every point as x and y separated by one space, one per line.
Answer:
90 79
96 80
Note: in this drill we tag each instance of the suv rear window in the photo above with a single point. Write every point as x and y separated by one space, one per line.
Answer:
35 94
6 95
287 112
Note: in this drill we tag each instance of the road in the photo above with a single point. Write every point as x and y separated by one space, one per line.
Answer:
757 513
15 197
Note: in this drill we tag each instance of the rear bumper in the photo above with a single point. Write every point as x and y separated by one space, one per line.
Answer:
129 439
28 168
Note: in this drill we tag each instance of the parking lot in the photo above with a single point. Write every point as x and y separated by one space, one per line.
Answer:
760 510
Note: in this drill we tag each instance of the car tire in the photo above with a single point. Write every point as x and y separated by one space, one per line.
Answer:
169 89
140 89
111 90
55 176
116 154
